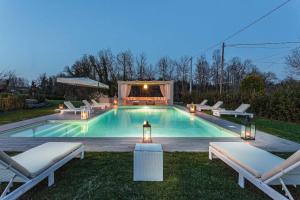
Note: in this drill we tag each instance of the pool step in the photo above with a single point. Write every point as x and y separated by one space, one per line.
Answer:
52 128
51 133
73 131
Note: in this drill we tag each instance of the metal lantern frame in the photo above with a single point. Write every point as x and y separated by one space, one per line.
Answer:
248 131
147 132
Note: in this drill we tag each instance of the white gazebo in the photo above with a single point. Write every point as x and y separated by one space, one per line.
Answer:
166 89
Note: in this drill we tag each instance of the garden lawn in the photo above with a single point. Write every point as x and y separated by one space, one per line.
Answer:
19 115
109 176
287 130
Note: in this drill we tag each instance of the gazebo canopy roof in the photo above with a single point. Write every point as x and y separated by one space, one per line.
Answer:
145 82
82 81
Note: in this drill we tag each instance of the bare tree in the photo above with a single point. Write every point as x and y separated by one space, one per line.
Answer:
293 61
13 81
141 64
105 65
166 68
182 67
150 73
215 68
202 73
125 64
235 72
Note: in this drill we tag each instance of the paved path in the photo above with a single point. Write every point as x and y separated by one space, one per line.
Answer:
263 140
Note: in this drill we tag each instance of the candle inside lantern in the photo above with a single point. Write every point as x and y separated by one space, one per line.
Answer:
84 114
192 108
61 106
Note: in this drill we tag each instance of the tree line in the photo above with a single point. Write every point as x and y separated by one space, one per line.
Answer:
207 78
109 68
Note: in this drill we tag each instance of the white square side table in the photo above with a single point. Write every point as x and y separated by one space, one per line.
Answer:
148 162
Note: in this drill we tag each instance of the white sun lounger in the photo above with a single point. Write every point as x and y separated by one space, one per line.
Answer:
88 105
260 167
207 107
100 105
70 108
200 104
240 111
34 165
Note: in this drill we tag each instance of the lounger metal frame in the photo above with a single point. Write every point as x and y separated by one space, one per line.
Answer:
30 183
216 106
71 108
240 111
277 179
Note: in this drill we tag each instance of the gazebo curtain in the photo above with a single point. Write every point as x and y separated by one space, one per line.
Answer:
165 90
125 90
128 90
162 90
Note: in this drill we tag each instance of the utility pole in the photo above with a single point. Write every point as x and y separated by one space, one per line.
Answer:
191 75
222 66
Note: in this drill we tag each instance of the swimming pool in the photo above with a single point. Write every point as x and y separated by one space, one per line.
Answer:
127 121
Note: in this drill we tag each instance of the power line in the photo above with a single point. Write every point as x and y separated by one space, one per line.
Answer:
261 47
248 26
263 43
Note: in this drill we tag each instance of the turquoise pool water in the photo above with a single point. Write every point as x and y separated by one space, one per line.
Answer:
127 122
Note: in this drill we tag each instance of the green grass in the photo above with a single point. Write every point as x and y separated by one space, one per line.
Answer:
23 114
19 115
287 130
109 176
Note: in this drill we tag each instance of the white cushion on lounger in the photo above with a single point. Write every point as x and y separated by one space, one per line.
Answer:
285 164
11 162
38 159
252 159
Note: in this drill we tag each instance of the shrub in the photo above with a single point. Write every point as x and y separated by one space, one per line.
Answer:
11 102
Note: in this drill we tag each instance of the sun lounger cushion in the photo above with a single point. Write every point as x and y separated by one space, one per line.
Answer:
283 165
254 160
38 159
11 162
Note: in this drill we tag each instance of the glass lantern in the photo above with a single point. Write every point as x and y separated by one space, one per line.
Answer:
192 108
61 106
147 138
84 114
115 101
248 131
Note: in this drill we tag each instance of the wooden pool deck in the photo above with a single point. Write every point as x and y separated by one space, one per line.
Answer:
188 144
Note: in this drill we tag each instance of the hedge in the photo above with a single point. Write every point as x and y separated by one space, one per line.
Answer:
11 102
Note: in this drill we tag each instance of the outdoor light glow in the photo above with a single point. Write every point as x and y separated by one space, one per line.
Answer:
248 134
84 128
84 114
145 87
192 108
147 137
61 106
